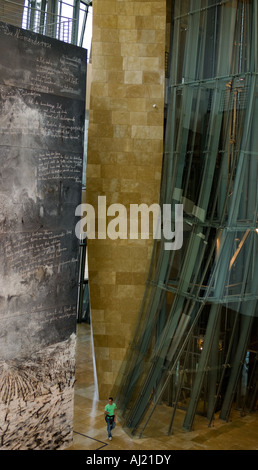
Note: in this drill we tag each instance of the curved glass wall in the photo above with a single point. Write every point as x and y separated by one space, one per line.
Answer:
196 345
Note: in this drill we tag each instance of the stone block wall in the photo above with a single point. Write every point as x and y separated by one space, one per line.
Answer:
124 161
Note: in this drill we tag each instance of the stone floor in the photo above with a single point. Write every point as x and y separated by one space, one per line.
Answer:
240 433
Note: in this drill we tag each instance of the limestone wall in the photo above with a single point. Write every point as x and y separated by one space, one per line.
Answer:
124 160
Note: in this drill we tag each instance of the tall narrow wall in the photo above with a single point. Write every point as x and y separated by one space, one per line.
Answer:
42 107
125 145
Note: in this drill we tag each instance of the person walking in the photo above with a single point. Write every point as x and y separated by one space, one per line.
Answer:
110 416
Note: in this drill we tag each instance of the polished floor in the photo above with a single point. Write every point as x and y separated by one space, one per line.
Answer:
240 433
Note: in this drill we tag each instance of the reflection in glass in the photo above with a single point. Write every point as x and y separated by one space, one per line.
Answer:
198 321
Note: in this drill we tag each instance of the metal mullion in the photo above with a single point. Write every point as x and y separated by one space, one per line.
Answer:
42 16
60 18
218 3
245 330
32 14
224 171
169 148
75 23
51 18
213 372
225 366
254 49
204 357
179 388
85 16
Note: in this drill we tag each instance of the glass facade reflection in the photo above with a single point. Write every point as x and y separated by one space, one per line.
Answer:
196 345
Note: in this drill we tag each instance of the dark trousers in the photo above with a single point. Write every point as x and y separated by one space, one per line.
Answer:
110 424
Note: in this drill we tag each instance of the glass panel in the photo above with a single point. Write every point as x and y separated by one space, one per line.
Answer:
199 316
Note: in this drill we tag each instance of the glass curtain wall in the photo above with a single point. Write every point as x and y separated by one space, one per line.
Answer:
195 348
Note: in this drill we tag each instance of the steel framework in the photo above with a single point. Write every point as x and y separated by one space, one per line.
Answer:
196 342
61 19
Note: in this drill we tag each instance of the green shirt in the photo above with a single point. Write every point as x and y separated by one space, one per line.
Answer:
110 409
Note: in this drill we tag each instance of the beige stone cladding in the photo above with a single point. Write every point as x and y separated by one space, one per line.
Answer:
124 161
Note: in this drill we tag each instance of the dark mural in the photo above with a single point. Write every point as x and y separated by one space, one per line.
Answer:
42 106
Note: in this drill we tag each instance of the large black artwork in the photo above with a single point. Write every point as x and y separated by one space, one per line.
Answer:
42 106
